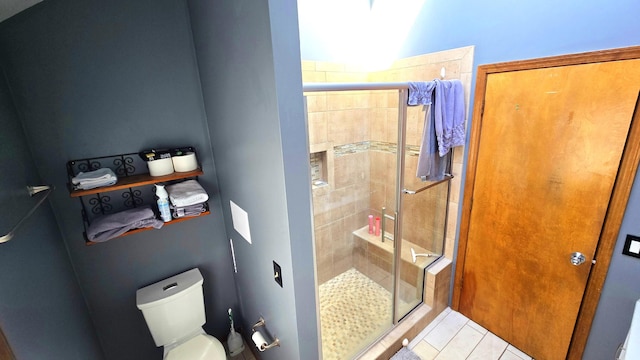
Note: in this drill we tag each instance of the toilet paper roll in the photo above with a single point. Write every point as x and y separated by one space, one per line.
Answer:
160 167
259 340
186 162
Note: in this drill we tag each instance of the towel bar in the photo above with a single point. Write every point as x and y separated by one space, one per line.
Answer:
447 177
32 191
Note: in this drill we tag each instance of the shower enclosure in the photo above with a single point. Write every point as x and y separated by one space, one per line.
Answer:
364 145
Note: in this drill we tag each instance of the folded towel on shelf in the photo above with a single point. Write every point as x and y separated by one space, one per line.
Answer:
187 211
113 225
187 193
93 179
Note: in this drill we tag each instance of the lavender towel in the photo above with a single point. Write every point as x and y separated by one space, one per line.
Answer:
443 124
113 225
449 115
421 93
431 166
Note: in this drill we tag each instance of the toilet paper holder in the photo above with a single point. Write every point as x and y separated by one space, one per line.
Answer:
264 346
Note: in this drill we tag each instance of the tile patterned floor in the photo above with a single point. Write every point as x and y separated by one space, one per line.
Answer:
452 336
354 310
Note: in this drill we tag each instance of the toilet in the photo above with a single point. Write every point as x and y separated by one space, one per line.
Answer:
174 311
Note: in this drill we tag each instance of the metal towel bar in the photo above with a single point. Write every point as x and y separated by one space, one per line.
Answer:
32 191
447 177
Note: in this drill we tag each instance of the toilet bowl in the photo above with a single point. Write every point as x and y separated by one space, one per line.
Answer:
201 347
173 309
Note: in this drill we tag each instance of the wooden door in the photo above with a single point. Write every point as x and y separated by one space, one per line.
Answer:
544 158
5 350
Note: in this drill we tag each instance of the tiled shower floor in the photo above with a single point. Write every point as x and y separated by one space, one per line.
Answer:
354 311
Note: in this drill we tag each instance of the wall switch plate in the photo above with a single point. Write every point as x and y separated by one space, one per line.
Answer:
277 273
632 246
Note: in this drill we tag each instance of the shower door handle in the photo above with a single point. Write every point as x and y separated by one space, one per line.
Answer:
382 226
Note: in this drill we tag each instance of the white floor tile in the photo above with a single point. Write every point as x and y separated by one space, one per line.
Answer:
477 327
429 327
452 336
490 348
425 351
440 336
520 354
461 345
508 355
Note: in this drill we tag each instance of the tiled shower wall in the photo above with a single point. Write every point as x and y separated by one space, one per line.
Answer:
361 126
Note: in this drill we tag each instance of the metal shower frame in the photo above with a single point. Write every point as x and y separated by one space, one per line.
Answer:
403 96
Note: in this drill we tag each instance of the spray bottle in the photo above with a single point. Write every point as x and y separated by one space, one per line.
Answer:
163 203
234 340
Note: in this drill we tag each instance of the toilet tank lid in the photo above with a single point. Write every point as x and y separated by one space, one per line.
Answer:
164 290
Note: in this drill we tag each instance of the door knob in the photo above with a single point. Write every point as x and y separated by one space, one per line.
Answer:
577 258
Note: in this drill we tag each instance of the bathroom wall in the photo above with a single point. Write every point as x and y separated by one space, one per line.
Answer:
93 78
249 62
42 311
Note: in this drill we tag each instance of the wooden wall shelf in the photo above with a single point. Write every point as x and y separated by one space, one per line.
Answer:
135 231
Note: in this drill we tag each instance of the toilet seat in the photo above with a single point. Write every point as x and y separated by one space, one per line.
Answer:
199 347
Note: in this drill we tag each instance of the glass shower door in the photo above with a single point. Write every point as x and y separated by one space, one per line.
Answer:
422 216
423 234
367 279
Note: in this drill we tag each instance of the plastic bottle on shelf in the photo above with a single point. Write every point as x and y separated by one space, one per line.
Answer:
163 203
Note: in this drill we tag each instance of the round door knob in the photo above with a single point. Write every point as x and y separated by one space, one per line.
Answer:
577 258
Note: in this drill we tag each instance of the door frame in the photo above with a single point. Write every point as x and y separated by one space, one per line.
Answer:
617 203
5 349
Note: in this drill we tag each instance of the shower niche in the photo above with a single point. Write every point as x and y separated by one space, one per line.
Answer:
321 161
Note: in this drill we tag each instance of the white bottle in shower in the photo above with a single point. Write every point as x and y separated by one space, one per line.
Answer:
163 203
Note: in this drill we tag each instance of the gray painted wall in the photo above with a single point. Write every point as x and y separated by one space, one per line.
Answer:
248 55
621 289
505 31
42 312
95 78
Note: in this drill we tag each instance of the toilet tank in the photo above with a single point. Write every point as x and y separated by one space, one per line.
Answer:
173 307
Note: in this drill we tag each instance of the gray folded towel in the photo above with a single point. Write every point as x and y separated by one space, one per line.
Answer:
113 225
93 179
187 211
187 193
